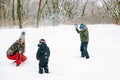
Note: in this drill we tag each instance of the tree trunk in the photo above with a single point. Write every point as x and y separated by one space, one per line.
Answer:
0 10
40 11
13 11
28 7
19 6
4 12
0 15
38 14
119 12
83 11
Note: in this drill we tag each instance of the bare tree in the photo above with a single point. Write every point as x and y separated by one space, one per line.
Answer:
4 11
38 14
112 7
13 11
118 2
83 11
40 11
19 6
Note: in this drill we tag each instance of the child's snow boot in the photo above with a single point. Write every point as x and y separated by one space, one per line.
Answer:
41 70
46 70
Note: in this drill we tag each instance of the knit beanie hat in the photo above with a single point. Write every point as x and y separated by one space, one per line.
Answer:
42 41
82 26
22 36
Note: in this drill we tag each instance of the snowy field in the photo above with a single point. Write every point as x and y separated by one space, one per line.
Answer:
65 62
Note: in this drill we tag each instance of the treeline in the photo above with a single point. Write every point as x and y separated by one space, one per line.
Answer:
55 12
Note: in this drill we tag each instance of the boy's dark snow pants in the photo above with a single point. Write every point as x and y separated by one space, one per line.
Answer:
43 67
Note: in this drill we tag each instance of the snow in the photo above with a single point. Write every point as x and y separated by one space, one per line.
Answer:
65 62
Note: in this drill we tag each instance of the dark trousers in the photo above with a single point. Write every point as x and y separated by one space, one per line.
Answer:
83 49
43 67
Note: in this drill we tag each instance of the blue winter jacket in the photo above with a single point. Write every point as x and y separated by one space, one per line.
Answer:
43 53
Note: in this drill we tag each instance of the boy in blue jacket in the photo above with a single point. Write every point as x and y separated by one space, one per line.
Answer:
43 55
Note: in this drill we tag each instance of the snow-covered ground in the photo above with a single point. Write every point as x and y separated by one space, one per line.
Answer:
65 62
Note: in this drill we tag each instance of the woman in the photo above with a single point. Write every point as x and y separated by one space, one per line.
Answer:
16 51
